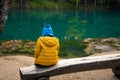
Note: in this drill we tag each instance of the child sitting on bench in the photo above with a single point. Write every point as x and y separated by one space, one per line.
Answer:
47 47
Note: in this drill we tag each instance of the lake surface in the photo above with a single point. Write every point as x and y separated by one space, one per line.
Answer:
66 24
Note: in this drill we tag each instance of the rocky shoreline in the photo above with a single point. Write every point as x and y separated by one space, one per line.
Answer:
102 45
17 46
93 46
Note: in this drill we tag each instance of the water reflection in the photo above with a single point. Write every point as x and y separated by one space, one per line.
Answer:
68 25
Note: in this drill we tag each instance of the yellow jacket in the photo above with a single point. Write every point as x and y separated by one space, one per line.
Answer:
46 51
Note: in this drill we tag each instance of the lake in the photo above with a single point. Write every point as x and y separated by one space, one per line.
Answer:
67 24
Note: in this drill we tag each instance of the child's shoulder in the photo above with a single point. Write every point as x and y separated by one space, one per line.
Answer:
48 37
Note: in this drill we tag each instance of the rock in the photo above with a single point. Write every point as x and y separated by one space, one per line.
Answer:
102 45
87 40
104 48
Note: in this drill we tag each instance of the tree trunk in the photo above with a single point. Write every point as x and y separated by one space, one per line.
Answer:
3 13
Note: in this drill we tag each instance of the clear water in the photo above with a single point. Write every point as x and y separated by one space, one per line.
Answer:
67 24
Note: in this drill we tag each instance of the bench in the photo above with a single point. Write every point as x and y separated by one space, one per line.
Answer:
70 66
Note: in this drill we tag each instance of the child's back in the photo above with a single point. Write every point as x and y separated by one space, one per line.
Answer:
47 47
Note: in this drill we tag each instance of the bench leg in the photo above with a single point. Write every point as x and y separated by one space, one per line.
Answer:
44 78
116 71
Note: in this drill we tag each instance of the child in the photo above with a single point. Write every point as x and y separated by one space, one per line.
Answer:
47 47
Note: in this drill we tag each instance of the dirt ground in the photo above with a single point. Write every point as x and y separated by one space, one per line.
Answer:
9 70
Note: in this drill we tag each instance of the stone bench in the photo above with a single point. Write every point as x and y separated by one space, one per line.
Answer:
72 65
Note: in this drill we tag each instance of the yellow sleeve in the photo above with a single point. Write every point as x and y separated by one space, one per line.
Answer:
37 49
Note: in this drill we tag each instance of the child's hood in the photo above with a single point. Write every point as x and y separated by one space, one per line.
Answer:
49 41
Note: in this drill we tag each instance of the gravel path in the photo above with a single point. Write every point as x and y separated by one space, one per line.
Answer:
9 70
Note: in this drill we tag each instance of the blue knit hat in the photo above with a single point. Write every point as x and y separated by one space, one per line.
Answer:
47 30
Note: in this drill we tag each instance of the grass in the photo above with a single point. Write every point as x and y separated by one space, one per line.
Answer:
1 54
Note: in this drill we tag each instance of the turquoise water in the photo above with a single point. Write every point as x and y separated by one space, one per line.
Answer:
67 24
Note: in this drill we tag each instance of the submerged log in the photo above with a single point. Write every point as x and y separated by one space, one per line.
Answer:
71 66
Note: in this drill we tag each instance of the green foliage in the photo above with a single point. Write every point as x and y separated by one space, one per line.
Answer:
1 54
72 48
72 1
13 3
46 4
40 4
60 4
67 54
